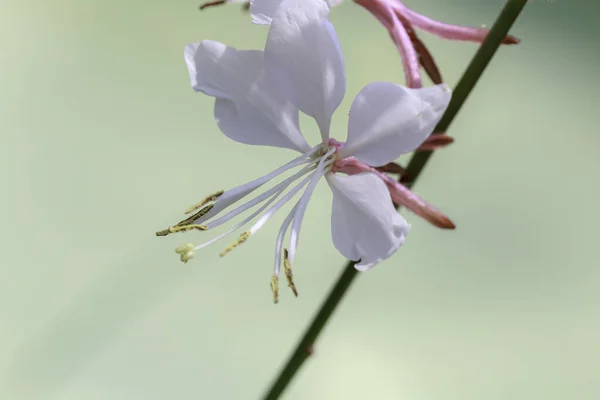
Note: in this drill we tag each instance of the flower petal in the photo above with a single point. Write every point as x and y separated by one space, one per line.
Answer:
364 224
387 120
248 108
262 11
303 56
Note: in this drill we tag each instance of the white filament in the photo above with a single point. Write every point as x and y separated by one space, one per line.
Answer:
238 193
260 198
279 242
260 223
316 168
322 168
240 224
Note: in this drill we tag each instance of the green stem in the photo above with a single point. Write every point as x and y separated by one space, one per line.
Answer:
486 51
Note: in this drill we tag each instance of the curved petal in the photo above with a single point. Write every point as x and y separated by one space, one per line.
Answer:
303 57
387 120
262 11
365 225
248 108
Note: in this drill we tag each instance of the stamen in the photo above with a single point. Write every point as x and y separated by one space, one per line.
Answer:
186 252
240 224
280 235
275 288
243 237
277 188
187 224
196 216
206 200
244 222
238 193
259 224
324 166
288 272
183 228
231 196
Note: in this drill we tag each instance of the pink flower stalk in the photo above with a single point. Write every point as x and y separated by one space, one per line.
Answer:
400 22
401 195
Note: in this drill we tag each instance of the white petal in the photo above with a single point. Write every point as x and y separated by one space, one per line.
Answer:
303 57
364 224
248 108
387 120
262 11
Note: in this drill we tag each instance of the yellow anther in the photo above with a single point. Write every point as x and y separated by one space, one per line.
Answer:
184 228
206 200
181 228
186 252
275 288
288 272
189 220
187 224
243 237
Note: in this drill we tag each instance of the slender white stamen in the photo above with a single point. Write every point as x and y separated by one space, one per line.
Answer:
280 187
240 224
285 226
262 221
316 168
255 213
259 224
279 242
322 168
238 193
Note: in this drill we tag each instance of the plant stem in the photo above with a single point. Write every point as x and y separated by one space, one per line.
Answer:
486 51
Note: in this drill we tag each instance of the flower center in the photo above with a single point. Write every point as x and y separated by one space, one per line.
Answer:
327 151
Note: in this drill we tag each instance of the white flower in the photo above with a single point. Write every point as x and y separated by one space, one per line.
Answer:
258 95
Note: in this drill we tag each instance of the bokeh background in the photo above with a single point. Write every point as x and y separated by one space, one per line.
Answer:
103 142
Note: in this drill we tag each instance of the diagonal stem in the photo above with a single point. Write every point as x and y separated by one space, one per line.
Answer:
488 48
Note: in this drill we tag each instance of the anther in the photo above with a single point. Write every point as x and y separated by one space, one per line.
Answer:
206 200
288 272
243 237
186 252
187 224
181 228
275 288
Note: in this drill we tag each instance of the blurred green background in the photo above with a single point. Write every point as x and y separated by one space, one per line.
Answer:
103 142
